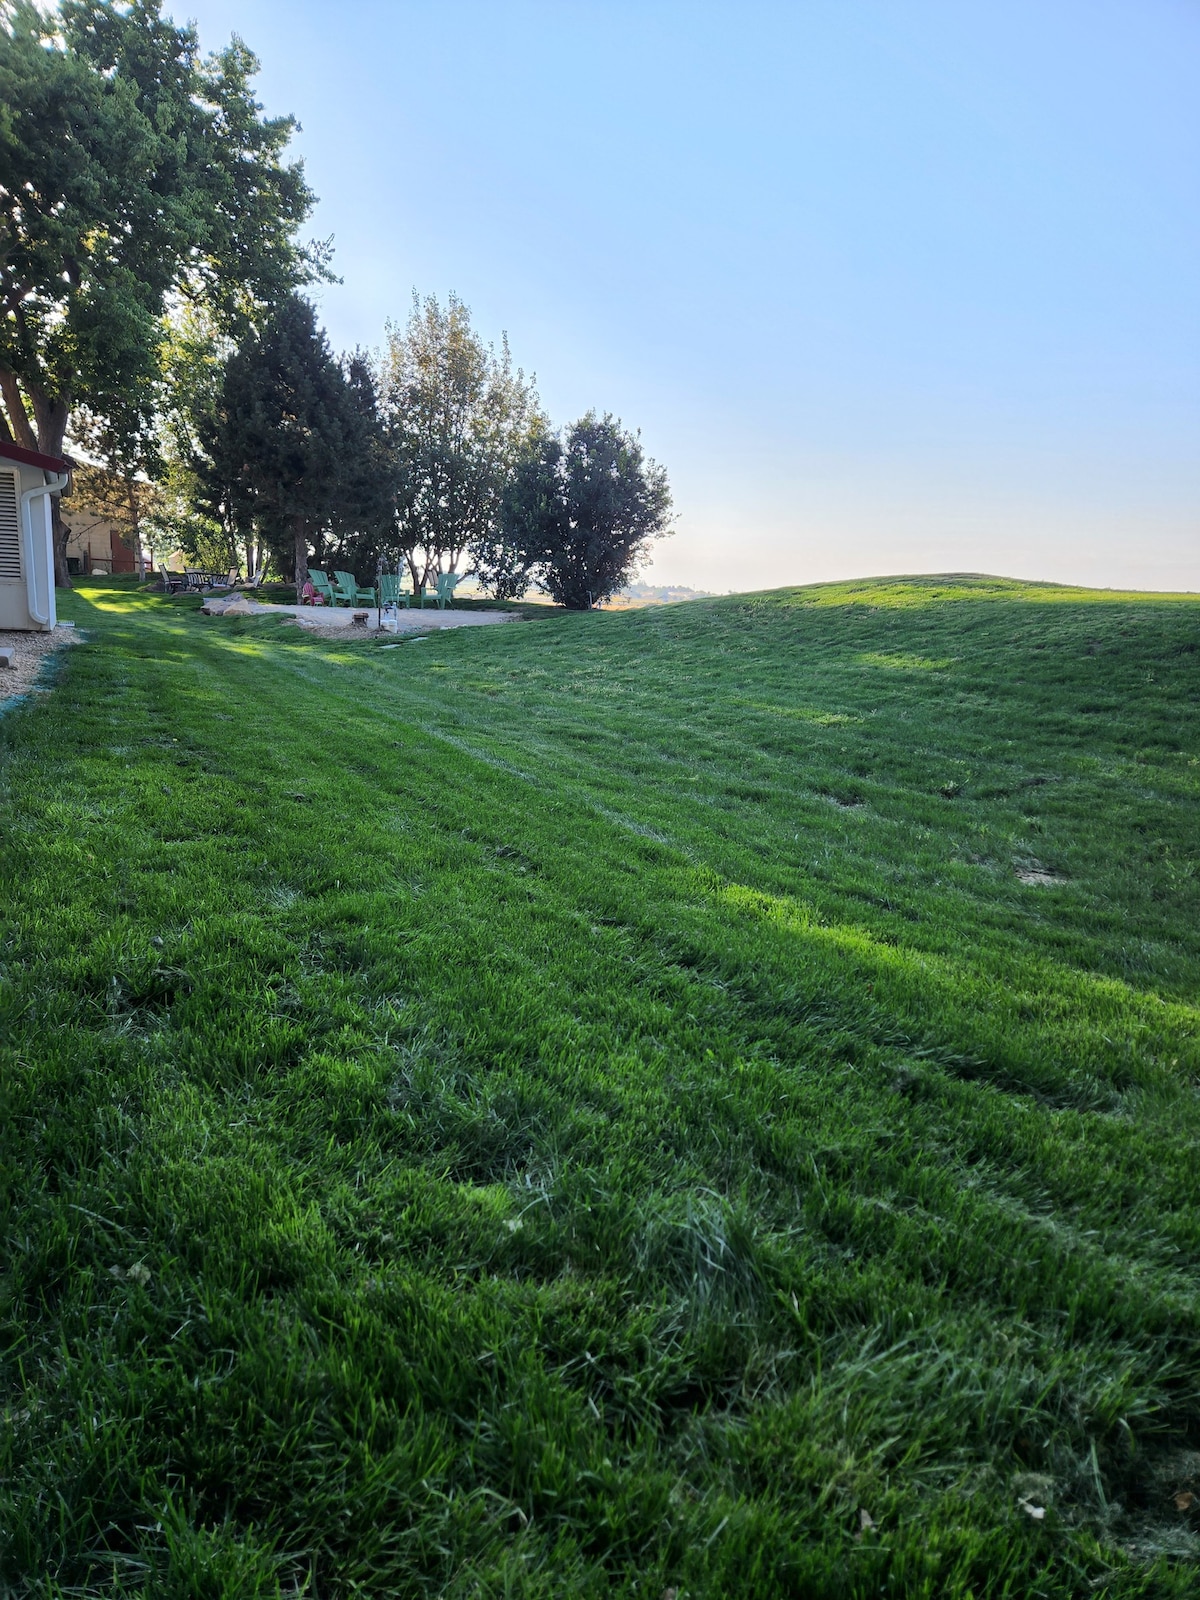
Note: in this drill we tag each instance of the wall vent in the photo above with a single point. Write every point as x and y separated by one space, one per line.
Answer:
10 529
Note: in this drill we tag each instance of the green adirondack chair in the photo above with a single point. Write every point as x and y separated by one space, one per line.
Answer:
446 585
349 593
322 585
390 592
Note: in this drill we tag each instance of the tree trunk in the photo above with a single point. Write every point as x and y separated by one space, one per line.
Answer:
135 525
300 535
62 578
14 405
139 554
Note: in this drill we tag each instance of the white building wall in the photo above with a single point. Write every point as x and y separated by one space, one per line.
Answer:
26 551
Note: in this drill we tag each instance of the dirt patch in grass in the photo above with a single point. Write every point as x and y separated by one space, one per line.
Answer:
1038 876
846 801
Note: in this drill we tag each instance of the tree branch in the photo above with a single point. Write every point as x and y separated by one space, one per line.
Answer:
14 405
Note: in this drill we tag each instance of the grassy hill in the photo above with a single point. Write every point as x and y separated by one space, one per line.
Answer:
699 1101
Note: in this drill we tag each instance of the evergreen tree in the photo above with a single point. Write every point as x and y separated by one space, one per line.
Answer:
362 528
286 445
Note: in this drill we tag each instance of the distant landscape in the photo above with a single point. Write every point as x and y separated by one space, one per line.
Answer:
647 594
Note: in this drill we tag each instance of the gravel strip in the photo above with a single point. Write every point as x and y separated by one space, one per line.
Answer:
29 651
409 621
338 620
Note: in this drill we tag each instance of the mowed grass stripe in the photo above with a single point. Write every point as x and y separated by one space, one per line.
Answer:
573 1146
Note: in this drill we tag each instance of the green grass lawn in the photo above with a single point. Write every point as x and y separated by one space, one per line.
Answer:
695 1101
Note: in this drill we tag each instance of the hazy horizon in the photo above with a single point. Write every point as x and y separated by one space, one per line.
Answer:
886 289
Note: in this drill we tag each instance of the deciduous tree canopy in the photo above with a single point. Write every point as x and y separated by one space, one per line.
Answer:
580 512
458 415
130 166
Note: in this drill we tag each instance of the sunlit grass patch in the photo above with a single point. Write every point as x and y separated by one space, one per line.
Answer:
822 719
899 662
901 593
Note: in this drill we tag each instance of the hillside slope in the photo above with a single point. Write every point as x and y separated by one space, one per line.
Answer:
696 1100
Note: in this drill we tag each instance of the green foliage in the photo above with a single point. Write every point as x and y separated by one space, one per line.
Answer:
170 180
363 529
458 416
529 519
291 444
171 175
644 1124
209 532
579 514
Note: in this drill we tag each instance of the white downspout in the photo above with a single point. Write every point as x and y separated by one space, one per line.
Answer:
55 486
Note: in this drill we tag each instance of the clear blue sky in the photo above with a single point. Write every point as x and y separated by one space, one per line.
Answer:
888 287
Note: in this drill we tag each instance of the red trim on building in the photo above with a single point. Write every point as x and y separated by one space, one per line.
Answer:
32 458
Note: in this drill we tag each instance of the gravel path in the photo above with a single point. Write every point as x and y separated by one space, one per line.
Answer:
29 651
337 619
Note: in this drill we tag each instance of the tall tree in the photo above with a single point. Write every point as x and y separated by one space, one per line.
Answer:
580 512
291 444
216 531
361 530
129 168
458 414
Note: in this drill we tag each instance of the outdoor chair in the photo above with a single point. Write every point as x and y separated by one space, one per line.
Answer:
446 585
390 592
322 585
351 592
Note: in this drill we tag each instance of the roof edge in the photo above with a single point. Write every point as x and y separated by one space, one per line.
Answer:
33 458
